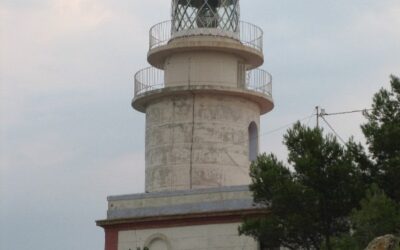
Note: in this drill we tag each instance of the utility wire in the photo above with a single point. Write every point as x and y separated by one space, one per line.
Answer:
333 130
311 116
261 135
285 126
346 112
339 113
273 131
309 119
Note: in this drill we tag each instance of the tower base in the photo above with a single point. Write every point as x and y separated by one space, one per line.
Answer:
205 219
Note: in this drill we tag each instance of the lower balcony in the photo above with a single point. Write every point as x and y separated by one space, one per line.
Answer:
151 78
152 83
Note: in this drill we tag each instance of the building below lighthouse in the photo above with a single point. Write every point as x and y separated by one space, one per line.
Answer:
203 98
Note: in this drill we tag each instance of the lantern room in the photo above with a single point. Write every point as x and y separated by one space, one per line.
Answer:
205 17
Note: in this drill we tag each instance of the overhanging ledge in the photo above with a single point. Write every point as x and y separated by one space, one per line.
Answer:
251 56
182 220
265 102
177 208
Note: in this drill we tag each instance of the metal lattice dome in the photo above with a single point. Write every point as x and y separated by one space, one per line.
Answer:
205 15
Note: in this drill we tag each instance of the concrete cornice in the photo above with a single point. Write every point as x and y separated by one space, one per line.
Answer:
182 219
178 193
251 56
179 209
265 102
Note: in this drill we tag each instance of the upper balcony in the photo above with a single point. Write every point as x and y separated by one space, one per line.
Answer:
245 40
248 34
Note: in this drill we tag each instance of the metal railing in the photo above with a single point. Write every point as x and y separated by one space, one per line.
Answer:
248 34
148 79
160 34
251 35
257 80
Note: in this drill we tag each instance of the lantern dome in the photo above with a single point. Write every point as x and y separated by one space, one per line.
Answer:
191 17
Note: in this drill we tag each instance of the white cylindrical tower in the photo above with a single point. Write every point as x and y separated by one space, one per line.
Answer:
203 97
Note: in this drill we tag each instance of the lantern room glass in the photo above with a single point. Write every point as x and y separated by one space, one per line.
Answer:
205 15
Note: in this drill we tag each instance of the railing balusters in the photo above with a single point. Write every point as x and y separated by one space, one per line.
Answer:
249 34
148 79
258 80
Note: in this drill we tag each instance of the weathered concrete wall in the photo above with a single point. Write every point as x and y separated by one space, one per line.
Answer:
202 68
201 219
246 52
157 204
198 141
204 237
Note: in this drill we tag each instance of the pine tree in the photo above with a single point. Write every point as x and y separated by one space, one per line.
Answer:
378 215
309 205
382 132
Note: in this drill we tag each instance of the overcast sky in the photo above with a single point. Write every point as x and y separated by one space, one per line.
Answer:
69 137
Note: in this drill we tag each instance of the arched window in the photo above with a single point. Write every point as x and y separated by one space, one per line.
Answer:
157 242
253 141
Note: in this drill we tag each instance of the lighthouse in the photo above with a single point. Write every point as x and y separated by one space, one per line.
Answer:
202 97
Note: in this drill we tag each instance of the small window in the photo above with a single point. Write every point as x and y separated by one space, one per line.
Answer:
241 75
157 242
253 141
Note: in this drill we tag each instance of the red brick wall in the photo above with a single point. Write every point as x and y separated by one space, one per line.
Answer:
111 239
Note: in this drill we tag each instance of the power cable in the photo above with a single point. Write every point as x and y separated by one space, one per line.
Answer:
333 130
267 133
323 113
309 119
311 116
285 126
346 112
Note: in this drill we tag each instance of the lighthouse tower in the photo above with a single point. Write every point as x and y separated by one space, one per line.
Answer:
203 98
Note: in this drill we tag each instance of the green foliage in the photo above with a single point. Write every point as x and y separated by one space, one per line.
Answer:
309 205
344 242
378 215
313 204
268 228
382 132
